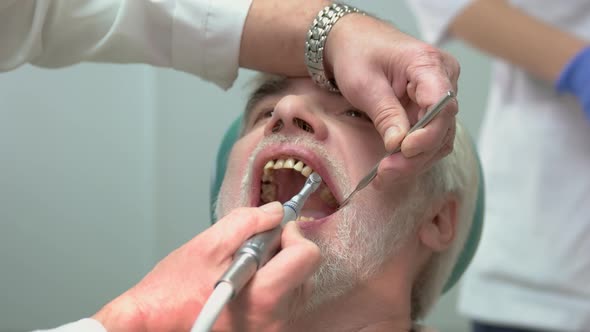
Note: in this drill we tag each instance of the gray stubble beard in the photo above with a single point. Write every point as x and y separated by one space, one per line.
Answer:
364 239
363 243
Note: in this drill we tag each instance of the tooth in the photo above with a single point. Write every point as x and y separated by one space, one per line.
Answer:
268 166
327 197
306 171
299 166
269 188
279 164
269 191
268 196
289 163
267 177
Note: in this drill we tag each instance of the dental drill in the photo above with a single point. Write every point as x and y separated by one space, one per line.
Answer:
250 257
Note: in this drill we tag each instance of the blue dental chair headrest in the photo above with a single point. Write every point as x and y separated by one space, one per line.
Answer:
232 135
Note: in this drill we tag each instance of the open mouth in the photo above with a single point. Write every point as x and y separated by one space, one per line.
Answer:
283 177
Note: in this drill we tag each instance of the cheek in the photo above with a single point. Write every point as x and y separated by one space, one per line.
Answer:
236 165
361 151
233 165
241 152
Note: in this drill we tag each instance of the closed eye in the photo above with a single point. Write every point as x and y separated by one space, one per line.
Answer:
354 113
263 114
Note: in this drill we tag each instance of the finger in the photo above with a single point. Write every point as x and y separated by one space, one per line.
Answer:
445 149
412 109
384 108
240 224
437 74
427 85
449 143
431 87
453 70
292 266
398 166
430 137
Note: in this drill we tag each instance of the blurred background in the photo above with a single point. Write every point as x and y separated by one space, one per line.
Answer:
104 169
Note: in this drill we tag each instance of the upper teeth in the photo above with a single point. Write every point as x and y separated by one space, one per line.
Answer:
289 163
268 188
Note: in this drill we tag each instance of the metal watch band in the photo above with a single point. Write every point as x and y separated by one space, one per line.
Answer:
316 39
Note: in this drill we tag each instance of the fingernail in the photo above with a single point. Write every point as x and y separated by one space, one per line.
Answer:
391 134
411 152
272 207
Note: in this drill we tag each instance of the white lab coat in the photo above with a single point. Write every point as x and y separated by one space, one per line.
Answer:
201 37
532 267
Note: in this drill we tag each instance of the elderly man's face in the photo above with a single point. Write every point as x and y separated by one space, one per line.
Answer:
299 129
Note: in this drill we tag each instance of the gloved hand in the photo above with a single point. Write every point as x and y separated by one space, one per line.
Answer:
575 79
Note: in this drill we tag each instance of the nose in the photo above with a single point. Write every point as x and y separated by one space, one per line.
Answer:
296 115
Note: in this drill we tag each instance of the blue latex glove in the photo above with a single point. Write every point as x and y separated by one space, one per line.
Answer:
575 79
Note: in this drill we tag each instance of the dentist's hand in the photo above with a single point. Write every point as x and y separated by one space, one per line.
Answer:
394 78
279 290
171 296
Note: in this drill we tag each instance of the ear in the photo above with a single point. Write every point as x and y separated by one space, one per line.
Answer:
438 231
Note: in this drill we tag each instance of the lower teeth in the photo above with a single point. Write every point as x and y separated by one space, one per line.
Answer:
328 198
269 192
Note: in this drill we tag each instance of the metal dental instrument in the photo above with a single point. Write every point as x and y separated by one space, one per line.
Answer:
259 249
252 255
430 114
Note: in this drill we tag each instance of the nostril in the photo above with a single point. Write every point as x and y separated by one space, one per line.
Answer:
303 125
278 126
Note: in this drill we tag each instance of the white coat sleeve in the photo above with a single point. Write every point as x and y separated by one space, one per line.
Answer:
435 16
201 37
83 325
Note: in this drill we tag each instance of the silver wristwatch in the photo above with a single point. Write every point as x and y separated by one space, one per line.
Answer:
316 39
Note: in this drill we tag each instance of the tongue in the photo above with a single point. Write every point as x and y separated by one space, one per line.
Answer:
316 207
316 214
289 183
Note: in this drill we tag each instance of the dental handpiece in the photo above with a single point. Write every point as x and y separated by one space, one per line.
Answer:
260 248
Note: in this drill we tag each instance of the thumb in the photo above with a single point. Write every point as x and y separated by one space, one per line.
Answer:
384 108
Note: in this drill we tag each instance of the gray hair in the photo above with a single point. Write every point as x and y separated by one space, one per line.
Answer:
458 174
